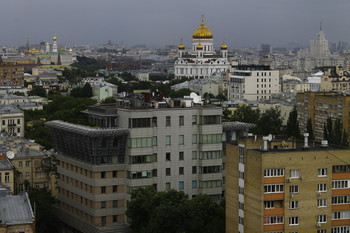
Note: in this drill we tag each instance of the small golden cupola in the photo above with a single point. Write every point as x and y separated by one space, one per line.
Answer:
223 46
54 38
199 46
202 32
181 46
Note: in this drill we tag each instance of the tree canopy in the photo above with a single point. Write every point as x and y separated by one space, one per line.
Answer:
173 212
292 128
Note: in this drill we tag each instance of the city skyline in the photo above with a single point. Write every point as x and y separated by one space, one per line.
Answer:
158 23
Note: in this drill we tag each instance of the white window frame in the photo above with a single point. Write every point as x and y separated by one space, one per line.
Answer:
321 203
322 188
274 188
294 205
322 218
294 189
294 173
322 172
273 172
293 221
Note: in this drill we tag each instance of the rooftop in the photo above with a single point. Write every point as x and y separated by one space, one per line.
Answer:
16 210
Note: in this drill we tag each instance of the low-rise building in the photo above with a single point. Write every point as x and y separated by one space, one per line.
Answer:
7 177
12 120
16 213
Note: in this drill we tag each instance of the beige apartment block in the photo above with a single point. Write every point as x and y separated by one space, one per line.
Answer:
284 186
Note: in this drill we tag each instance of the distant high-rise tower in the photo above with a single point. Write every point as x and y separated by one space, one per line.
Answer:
54 45
319 47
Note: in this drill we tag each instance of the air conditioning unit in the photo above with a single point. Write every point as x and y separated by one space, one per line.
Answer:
318 225
301 177
318 194
288 180
291 195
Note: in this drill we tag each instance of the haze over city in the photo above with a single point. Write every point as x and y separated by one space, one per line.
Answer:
158 23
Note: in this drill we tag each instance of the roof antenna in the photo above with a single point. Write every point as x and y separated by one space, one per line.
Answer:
321 26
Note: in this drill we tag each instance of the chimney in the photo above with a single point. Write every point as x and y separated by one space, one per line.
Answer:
306 141
265 143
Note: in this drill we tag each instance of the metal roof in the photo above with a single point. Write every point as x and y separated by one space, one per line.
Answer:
15 210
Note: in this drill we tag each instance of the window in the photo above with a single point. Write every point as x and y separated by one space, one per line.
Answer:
20 164
167 171
167 186
340 184
167 140
115 174
115 218
322 187
293 204
181 120
194 138
321 202
181 185
168 121
7 177
341 229
321 218
294 189
269 220
194 169
269 204
322 172
194 154
194 184
167 156
181 155
103 204
293 220
210 184
103 221
321 231
103 189
181 139
27 175
341 168
27 163
143 142
103 175
115 204
274 172
345 199
273 188
194 119
294 173
115 188
210 155
342 214
181 170
210 138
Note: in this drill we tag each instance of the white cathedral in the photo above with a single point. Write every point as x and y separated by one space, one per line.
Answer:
201 62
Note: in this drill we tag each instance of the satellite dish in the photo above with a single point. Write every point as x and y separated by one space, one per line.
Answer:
10 154
195 97
269 137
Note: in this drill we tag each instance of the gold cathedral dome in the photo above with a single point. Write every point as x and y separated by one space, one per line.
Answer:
202 32
224 46
181 45
54 38
199 46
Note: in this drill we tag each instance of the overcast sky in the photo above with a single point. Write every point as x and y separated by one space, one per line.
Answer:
241 23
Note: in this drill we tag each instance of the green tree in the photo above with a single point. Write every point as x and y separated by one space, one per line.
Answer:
245 113
270 122
109 100
45 219
37 91
292 128
85 91
173 212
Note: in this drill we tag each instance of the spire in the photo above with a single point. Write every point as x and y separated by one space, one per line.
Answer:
38 61
320 25
202 18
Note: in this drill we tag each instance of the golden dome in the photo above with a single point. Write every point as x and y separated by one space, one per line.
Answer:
223 46
181 46
70 50
54 38
47 43
202 32
199 46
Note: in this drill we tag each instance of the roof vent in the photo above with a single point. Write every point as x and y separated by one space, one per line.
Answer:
324 143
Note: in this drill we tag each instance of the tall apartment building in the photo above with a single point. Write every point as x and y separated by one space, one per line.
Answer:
167 146
280 186
253 82
11 74
319 106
